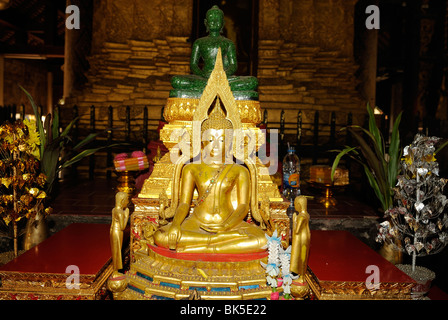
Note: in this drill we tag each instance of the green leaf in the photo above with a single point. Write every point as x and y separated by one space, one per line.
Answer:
40 126
91 137
86 153
55 124
375 163
86 140
441 147
373 129
79 157
48 129
69 127
49 161
378 151
394 153
373 183
373 158
338 158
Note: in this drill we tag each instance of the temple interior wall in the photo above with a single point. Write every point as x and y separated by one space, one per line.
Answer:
304 57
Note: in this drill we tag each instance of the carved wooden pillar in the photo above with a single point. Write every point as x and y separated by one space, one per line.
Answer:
269 27
428 63
2 79
49 92
306 57
77 48
368 55
69 57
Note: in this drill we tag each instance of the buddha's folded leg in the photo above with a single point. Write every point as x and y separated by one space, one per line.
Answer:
161 237
230 242
247 245
187 238
189 81
242 83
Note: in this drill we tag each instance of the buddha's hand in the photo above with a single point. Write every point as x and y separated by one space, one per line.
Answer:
214 228
223 228
174 234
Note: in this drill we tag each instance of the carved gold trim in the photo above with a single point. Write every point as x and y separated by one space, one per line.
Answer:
44 286
183 109
181 275
350 290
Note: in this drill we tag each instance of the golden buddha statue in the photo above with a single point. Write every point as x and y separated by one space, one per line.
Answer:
216 225
120 216
190 209
300 246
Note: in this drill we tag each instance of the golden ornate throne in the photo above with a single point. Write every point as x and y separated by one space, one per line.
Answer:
158 273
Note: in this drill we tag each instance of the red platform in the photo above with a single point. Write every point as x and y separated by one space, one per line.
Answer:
221 257
84 245
338 263
41 271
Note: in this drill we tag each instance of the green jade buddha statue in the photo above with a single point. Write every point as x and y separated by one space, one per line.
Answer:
206 48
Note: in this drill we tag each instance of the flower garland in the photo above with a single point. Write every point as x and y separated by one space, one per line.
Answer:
136 162
278 267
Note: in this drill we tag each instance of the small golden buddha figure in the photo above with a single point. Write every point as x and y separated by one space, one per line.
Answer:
120 215
216 224
300 246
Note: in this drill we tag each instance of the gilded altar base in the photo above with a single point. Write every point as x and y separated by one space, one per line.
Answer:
356 290
165 275
41 273
46 286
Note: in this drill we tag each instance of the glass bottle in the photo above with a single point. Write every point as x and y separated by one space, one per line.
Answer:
291 175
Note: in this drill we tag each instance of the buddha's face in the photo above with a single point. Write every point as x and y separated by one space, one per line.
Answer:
122 200
214 145
214 21
125 202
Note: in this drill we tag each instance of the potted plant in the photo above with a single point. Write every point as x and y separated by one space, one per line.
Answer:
381 165
53 143
418 220
53 156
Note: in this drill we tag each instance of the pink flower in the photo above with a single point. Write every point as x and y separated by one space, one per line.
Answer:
275 295
279 282
137 154
121 156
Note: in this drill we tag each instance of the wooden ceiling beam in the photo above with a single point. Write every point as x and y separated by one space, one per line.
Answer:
29 52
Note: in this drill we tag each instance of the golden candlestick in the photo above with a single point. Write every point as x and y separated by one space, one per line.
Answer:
126 182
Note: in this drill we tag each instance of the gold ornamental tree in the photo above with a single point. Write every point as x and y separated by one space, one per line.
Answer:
22 183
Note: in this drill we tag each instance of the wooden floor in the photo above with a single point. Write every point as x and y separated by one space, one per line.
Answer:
85 197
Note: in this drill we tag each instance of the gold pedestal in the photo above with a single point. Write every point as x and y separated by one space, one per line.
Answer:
126 182
328 200
158 276
328 189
